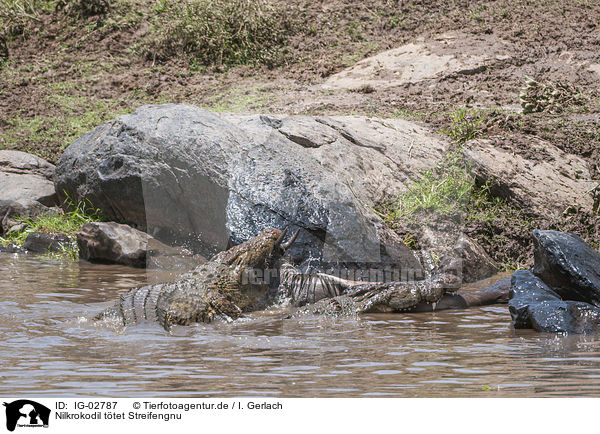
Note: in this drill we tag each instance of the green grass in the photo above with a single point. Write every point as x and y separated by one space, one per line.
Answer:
67 223
450 192
17 15
465 124
445 190
218 32
240 100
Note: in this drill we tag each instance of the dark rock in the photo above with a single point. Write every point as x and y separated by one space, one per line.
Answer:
568 265
527 290
534 305
195 178
11 248
37 242
111 242
471 260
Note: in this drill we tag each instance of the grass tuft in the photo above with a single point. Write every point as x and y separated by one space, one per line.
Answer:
465 124
83 8
16 15
444 190
218 32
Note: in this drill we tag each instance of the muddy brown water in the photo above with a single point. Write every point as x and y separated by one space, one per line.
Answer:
48 348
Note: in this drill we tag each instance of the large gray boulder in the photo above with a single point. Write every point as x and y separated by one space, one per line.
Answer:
190 176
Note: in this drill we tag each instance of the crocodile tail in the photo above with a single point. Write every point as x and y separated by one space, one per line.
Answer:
136 305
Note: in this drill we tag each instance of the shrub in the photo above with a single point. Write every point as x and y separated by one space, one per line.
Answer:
549 97
218 32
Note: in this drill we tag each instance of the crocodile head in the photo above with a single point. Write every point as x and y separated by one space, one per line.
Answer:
250 265
258 252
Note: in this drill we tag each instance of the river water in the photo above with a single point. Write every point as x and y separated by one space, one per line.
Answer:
49 348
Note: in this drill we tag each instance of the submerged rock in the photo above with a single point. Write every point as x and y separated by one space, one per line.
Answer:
562 292
113 243
534 305
192 177
37 242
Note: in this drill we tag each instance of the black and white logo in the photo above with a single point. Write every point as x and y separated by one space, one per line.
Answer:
26 413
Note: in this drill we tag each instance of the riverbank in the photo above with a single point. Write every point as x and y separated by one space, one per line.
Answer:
68 71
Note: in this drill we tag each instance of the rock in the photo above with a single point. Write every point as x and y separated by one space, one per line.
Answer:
567 264
534 305
562 292
195 178
111 242
11 248
545 186
23 163
11 210
470 258
37 242
527 290
457 253
26 177
446 55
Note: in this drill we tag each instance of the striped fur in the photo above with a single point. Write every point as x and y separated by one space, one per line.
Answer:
306 288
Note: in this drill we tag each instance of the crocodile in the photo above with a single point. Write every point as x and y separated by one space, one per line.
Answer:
321 293
222 287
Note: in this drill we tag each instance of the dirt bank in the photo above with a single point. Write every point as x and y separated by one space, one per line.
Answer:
66 74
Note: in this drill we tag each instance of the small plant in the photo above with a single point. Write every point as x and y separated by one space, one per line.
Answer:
410 241
465 124
218 32
549 97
